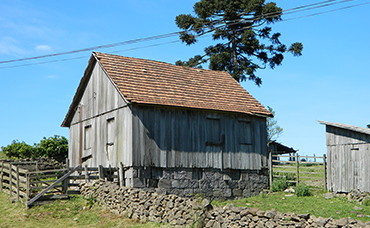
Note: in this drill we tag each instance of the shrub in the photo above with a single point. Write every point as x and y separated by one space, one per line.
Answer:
366 201
55 147
278 185
18 150
302 190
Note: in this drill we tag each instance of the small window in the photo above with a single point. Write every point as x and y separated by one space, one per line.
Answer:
213 131
245 132
88 137
110 132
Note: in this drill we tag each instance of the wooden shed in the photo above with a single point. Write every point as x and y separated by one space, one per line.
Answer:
348 152
169 127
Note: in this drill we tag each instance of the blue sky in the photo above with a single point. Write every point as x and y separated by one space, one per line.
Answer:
329 82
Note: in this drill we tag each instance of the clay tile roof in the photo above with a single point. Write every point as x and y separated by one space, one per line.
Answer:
158 83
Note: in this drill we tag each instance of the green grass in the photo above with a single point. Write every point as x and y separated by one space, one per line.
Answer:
315 205
67 213
310 174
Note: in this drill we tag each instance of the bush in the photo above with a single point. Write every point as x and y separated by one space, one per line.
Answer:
302 190
278 185
55 147
18 150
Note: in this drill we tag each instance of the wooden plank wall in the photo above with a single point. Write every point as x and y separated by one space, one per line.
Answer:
164 137
348 160
102 103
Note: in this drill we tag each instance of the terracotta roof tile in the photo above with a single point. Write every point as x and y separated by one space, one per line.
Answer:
152 82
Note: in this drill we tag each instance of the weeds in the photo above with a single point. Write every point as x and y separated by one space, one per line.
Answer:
279 185
302 190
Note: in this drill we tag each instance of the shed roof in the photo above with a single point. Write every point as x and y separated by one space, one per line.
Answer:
151 82
347 127
280 148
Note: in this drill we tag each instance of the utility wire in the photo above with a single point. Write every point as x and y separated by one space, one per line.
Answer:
152 37
297 9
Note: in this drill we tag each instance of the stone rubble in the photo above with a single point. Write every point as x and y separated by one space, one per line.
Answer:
147 205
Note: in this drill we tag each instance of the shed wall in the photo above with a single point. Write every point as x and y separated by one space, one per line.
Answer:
165 137
104 125
348 160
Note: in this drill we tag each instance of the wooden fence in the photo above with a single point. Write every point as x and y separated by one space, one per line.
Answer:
23 181
310 170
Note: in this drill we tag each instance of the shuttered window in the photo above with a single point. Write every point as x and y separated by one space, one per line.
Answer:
110 132
213 130
87 137
245 132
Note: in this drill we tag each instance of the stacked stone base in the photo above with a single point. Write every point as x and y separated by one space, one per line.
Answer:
185 212
210 183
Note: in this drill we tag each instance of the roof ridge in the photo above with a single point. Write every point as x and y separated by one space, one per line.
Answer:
154 82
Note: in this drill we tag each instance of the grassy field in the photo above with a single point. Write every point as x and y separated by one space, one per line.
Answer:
315 205
309 174
68 213
79 212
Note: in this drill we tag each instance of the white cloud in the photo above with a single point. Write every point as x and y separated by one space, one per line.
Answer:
43 48
51 76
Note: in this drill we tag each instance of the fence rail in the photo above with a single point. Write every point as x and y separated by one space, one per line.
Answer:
23 181
298 169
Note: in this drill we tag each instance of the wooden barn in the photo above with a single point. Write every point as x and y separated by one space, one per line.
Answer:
181 130
348 152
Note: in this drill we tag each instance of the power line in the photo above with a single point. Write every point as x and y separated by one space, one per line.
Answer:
159 36
290 11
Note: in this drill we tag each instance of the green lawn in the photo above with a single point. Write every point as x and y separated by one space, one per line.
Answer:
315 205
67 213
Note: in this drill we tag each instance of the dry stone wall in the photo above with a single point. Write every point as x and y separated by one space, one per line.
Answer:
211 183
148 205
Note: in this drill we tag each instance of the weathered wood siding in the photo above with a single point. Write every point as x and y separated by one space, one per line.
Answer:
106 124
348 160
164 137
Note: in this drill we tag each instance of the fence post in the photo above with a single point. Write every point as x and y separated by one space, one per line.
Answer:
297 163
270 166
10 180
17 183
87 176
28 185
325 188
101 172
2 176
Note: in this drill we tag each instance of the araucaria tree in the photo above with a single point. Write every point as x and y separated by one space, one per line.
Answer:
246 41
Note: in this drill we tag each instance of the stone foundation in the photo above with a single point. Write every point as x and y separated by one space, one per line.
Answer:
210 183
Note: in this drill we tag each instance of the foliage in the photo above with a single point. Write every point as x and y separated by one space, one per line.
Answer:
273 130
278 185
246 42
366 201
302 190
18 150
56 147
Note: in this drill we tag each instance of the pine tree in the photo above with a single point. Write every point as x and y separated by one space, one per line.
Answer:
246 42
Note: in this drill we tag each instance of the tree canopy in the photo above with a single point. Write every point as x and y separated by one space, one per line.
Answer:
246 41
273 130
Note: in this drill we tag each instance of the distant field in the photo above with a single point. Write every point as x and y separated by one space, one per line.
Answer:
309 174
